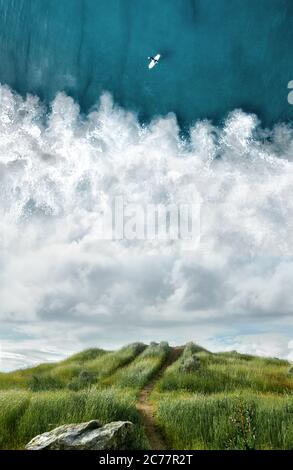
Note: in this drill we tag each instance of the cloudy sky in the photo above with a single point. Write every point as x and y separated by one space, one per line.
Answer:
63 289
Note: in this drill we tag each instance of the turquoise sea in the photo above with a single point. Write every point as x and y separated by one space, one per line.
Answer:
218 55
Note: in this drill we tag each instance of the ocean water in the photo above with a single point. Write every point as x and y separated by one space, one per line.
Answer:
218 55
98 124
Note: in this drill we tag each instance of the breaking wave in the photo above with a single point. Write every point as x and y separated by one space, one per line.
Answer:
62 166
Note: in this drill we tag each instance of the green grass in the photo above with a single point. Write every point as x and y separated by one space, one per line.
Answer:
84 356
203 401
110 362
97 363
228 372
37 399
12 407
142 369
26 414
229 401
19 379
239 422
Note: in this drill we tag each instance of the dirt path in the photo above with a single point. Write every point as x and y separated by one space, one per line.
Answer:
147 408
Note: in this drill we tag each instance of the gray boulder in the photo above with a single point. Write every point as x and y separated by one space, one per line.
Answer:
190 364
84 436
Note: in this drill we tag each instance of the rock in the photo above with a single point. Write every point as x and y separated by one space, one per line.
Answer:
84 436
190 364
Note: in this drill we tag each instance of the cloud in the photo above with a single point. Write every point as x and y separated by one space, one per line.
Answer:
63 289
266 344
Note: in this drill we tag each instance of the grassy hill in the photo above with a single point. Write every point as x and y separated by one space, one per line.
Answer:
201 401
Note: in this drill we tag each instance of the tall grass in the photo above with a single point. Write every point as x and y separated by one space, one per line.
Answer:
227 372
226 401
25 415
62 371
12 381
94 363
226 422
110 362
70 368
84 356
19 379
12 407
140 371
204 400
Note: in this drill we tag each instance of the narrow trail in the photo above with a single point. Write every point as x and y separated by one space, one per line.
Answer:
147 408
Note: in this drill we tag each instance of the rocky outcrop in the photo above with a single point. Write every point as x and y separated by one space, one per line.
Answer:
85 436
